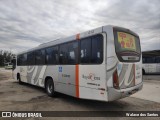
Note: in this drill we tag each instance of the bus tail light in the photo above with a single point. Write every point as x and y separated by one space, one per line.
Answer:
115 80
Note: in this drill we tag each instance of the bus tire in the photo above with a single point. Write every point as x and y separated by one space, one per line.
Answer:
143 72
19 79
49 87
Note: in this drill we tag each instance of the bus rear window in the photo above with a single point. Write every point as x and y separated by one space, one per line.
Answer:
126 41
127 46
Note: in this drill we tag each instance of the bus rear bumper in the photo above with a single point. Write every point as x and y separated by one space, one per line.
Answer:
130 91
114 94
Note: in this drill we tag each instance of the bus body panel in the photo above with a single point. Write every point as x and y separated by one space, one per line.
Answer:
90 33
66 80
145 68
158 68
114 94
51 71
129 74
92 77
130 86
153 68
23 73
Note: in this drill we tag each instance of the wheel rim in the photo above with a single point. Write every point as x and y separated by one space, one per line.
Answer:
50 88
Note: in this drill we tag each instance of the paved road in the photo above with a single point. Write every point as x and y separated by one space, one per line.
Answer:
150 91
151 77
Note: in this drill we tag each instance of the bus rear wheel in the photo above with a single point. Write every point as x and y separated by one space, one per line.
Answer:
143 72
49 87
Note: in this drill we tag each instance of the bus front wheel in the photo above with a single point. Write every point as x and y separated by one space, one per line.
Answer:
19 79
50 87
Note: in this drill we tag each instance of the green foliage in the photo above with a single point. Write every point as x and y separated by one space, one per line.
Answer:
5 56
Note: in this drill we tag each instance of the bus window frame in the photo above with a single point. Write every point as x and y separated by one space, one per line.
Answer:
57 62
91 50
78 61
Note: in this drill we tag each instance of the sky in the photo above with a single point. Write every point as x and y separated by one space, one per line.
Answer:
25 24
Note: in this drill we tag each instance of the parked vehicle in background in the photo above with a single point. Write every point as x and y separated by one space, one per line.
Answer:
151 64
8 65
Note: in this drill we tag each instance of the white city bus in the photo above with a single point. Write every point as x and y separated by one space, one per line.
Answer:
151 64
101 64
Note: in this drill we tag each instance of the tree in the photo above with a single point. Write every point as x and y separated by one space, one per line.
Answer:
5 56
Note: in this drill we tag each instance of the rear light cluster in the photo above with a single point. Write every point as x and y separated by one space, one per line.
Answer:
115 80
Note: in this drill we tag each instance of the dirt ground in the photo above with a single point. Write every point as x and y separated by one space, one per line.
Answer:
25 97
5 74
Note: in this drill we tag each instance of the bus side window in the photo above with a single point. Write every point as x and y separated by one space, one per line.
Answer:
40 57
97 49
68 53
18 60
151 60
92 50
52 55
31 58
73 52
23 59
144 60
63 57
85 50
157 59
